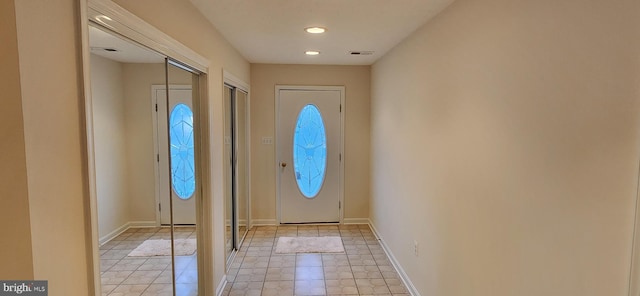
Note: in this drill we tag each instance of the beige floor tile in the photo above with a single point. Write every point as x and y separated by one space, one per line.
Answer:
114 277
335 260
366 272
140 277
309 273
309 260
278 288
108 288
310 287
246 289
280 274
251 275
128 264
129 290
338 272
396 286
282 261
372 286
165 277
341 287
159 290
255 262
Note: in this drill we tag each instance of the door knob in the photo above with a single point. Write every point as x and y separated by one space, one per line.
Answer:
283 164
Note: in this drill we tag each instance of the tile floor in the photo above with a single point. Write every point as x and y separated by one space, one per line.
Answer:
134 276
363 269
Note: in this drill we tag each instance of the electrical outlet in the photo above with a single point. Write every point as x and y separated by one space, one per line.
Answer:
267 140
415 248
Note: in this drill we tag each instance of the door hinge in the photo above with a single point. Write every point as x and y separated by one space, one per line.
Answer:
156 107
339 205
340 107
159 207
340 157
158 157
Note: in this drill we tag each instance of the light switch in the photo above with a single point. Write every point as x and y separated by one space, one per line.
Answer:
267 140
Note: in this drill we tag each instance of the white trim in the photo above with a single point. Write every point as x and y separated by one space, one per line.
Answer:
234 81
118 231
221 285
264 222
113 234
90 157
355 221
342 90
125 23
142 224
394 262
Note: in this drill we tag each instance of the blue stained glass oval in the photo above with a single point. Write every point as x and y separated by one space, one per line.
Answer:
182 151
309 151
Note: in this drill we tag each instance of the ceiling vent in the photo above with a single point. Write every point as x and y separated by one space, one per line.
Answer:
361 52
109 49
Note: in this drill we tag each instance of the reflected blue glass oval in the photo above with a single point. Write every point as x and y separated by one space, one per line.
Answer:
309 151
183 177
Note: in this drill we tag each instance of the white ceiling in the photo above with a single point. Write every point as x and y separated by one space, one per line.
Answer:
126 51
272 31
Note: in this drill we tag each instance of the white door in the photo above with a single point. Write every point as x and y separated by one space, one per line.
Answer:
175 159
309 155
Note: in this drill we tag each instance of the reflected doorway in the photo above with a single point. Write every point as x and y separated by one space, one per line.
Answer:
236 153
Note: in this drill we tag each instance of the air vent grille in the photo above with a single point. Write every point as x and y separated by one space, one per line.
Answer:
361 52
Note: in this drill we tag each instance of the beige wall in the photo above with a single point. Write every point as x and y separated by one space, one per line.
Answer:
54 143
264 78
15 245
182 21
138 79
505 141
109 132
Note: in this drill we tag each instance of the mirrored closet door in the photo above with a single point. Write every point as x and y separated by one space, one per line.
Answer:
236 167
145 132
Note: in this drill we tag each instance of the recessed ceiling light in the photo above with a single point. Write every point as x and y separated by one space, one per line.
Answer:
312 52
315 30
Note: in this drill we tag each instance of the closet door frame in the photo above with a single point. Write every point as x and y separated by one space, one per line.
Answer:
236 85
112 17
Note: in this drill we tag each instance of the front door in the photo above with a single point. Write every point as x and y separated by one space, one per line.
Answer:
309 154
174 126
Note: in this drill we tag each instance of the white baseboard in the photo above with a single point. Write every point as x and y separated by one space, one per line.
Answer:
113 234
142 224
403 275
356 221
221 285
131 224
263 222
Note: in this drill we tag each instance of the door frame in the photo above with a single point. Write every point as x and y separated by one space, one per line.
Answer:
276 166
156 147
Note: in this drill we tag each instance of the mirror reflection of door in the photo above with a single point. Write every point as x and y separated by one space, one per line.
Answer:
122 75
236 167
175 144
